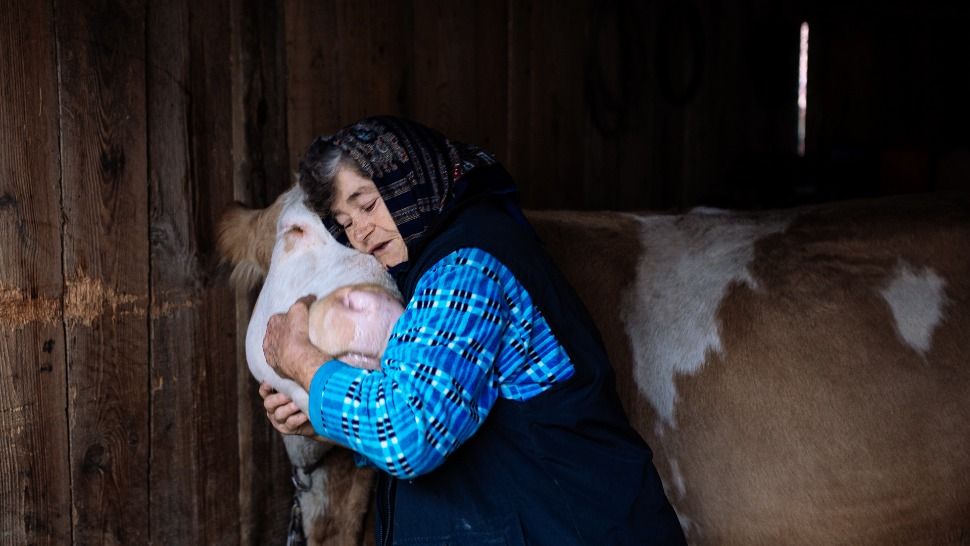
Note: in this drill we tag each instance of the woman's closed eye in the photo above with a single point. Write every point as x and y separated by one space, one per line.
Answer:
368 208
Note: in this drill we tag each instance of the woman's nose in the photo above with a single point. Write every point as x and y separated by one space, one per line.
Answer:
361 230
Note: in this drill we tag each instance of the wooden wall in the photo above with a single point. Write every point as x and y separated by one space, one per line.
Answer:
127 414
618 105
652 104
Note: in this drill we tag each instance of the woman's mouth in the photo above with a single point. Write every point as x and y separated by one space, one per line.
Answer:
380 248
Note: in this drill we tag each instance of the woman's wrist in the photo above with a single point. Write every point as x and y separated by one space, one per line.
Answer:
308 370
305 363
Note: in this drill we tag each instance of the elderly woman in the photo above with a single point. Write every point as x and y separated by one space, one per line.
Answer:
493 414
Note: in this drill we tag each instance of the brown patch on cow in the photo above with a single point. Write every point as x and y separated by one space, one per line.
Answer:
349 519
18 309
818 424
597 252
88 300
246 240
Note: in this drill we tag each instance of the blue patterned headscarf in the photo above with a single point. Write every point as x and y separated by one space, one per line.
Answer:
421 175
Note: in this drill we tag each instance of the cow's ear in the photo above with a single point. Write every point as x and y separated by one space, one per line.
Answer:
246 241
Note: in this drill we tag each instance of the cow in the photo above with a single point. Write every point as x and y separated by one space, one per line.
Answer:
802 375
289 245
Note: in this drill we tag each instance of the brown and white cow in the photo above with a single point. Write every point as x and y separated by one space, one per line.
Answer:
803 376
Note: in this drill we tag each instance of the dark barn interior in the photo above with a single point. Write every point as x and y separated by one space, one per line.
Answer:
127 414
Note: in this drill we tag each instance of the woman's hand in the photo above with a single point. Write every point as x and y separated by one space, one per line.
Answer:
283 413
287 346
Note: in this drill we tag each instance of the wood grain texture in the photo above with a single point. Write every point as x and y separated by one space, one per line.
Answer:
194 459
312 100
345 61
554 40
373 47
261 173
460 61
34 453
102 88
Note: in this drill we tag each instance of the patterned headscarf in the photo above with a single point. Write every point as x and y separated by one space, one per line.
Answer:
421 175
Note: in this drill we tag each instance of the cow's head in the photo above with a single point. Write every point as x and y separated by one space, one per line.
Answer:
289 245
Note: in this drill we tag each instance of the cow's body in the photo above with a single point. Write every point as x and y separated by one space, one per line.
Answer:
803 377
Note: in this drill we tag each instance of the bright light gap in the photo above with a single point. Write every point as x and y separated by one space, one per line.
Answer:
802 86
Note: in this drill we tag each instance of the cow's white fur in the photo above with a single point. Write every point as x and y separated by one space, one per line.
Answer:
917 299
670 309
680 486
680 491
306 260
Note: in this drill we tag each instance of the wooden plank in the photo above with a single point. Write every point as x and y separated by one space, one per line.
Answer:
345 60
616 83
519 145
102 89
460 68
552 36
193 395
174 475
260 174
312 100
34 463
211 193
373 43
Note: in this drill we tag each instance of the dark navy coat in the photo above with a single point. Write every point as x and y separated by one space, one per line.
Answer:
564 467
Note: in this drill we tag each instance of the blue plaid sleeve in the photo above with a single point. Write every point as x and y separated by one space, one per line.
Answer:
439 376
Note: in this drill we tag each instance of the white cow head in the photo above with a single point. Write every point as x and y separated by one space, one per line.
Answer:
305 260
289 245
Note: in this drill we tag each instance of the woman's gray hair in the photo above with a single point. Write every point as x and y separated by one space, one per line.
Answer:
318 170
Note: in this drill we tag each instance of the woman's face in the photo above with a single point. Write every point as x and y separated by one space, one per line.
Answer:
359 209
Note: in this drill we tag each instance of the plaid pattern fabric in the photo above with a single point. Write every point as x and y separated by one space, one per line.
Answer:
468 336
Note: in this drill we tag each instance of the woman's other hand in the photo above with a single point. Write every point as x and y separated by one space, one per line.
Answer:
287 346
283 413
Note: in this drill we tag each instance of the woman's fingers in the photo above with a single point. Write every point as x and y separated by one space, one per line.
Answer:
275 401
306 301
282 413
295 421
288 419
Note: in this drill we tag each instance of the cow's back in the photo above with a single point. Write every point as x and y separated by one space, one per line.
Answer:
803 375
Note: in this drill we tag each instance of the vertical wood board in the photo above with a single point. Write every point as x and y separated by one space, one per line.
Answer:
194 462
102 89
259 140
460 70
34 464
